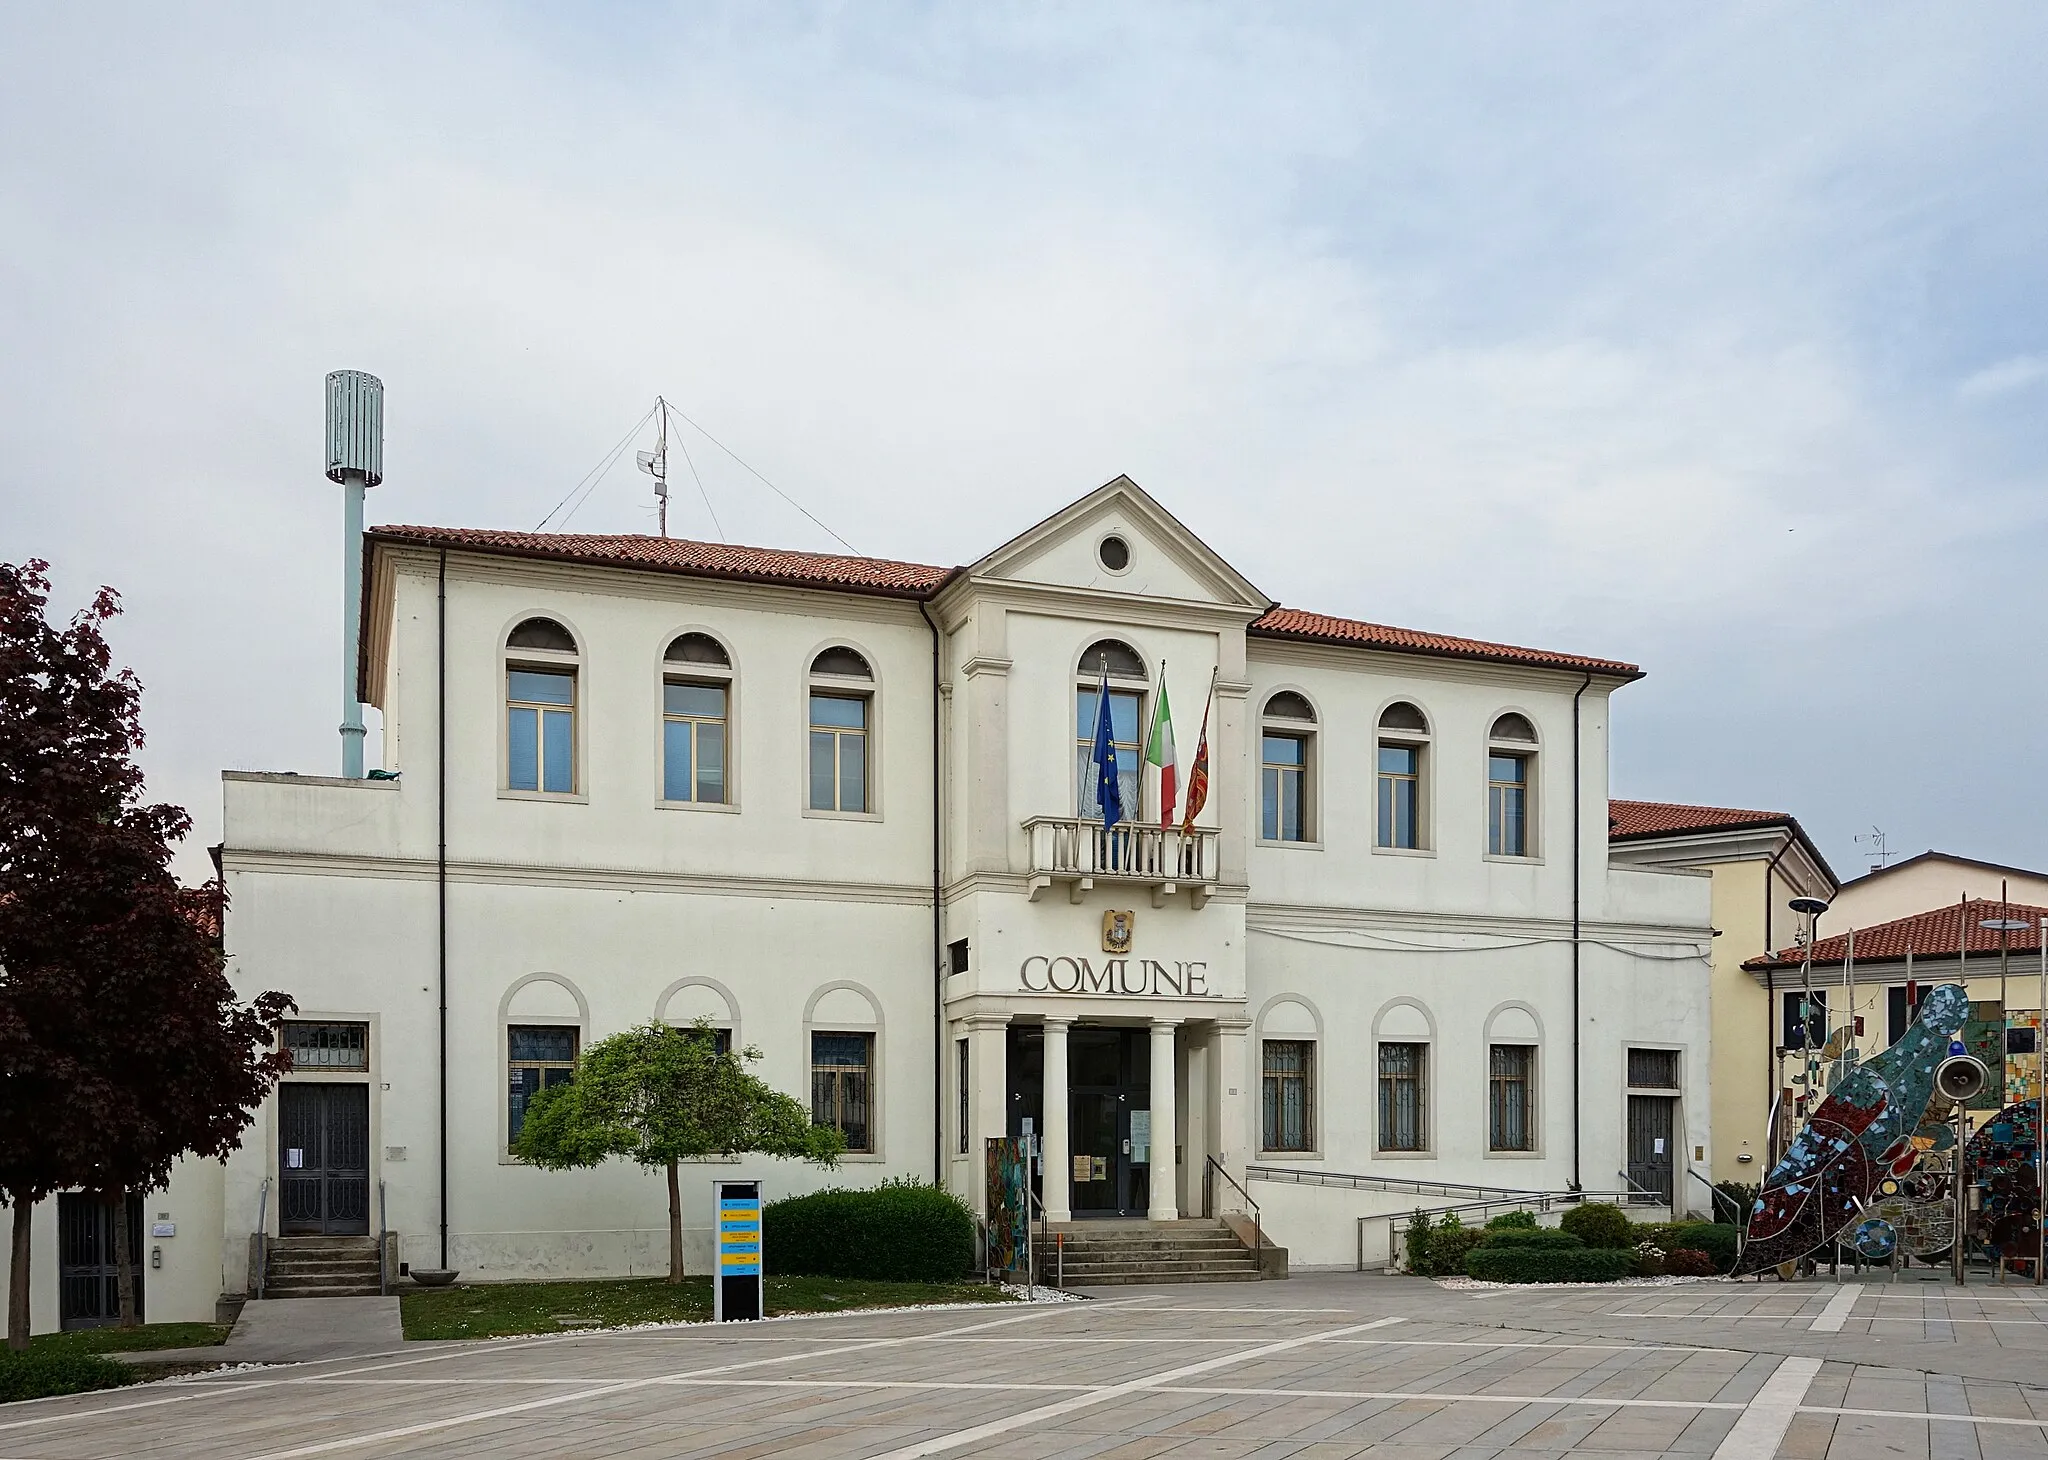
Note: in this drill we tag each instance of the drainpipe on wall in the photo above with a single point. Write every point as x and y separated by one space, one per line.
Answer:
1578 815
441 862
938 935
1771 1010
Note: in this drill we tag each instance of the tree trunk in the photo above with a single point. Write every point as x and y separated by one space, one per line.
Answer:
675 1225
17 1274
124 1258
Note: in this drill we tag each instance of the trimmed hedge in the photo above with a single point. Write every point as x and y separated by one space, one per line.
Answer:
1600 1224
1717 1239
1513 1220
900 1231
1687 1262
1542 1239
34 1375
1550 1265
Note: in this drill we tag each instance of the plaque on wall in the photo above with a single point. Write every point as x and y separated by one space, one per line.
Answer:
1116 930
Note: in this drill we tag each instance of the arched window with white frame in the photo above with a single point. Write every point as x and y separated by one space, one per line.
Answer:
1510 787
696 714
1401 786
842 704
1128 681
541 680
1287 769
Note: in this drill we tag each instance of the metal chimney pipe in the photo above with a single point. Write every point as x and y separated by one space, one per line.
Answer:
355 460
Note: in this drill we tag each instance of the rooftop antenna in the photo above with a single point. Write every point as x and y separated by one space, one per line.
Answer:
1875 840
655 463
355 460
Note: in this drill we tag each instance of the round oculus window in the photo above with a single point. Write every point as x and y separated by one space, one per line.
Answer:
1114 553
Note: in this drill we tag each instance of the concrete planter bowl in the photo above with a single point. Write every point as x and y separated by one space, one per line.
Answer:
435 1277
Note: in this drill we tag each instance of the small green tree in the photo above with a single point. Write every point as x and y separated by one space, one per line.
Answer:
658 1095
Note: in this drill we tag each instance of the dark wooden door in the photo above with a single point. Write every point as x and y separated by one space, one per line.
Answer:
1650 1124
88 1290
1109 1082
323 1157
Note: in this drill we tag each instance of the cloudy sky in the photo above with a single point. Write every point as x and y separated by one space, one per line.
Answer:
1714 338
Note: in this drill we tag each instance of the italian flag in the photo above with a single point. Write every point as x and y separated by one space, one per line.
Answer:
1159 752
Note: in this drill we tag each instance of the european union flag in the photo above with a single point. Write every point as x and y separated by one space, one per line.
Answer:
1108 784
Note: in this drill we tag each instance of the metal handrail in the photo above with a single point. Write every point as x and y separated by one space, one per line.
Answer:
1637 1189
1209 1208
262 1236
1542 1201
1404 1185
1719 1195
383 1243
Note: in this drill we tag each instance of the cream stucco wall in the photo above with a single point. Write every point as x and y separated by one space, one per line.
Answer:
1920 886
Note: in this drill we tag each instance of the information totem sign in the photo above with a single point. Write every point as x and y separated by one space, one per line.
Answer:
736 1282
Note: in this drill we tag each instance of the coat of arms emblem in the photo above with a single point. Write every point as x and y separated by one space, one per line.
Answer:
1116 930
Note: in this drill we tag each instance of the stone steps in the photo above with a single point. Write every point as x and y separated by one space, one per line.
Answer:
321 1267
1116 1253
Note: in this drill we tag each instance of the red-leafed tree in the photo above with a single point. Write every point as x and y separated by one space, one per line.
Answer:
122 1044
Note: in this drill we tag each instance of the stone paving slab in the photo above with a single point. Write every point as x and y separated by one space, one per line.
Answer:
1318 1367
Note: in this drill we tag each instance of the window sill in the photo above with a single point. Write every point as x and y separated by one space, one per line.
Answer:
730 808
1514 1156
1315 1155
817 815
1292 846
1379 851
1513 861
1404 1155
860 1155
560 798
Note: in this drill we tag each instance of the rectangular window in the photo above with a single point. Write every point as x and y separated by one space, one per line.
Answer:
839 752
693 742
1510 1074
1400 796
1283 787
327 1046
1899 1014
963 1096
537 1056
540 730
1816 1023
1404 1090
1124 706
1288 1119
1507 805
841 1066
1653 1069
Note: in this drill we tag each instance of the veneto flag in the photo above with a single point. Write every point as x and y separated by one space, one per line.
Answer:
1159 752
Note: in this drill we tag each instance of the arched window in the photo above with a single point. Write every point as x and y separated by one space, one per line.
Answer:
1510 782
540 708
1287 740
842 701
1127 682
1402 747
696 709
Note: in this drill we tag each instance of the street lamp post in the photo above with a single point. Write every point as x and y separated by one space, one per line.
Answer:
1810 908
2005 928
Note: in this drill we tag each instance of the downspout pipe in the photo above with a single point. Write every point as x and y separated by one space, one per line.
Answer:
1578 879
441 862
938 932
1771 1006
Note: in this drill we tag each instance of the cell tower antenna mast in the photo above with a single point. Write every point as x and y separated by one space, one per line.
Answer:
655 463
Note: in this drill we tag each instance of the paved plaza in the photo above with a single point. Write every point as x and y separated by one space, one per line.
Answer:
1318 1366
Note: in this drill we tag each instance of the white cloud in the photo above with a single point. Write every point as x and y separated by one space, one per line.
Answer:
2007 376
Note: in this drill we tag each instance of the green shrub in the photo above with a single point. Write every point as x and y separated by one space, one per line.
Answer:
1543 1239
1743 1194
1599 1224
1512 1221
1417 1242
1550 1265
1649 1259
900 1231
1716 1239
1449 1241
36 1375
1689 1262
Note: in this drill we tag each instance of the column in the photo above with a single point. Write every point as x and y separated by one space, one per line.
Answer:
1056 1190
988 1107
1164 1172
1233 1100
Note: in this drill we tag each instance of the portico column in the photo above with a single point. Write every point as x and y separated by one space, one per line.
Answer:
1054 1186
1164 1173
989 1106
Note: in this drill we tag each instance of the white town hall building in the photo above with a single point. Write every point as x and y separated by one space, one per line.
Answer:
844 809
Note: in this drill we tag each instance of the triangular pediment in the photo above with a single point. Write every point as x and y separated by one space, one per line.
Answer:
1163 559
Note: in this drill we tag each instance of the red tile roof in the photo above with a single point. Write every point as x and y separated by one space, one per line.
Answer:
1627 819
1932 934
1296 623
678 555
921 580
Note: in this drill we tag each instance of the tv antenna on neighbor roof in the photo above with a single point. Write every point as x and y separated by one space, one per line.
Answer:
1875 840
655 463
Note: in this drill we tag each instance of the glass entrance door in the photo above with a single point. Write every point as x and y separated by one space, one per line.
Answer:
1109 1120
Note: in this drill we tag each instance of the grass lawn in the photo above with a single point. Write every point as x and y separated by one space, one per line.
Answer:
129 1340
488 1310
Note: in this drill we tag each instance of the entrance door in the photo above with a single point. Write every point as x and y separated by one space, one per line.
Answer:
323 1153
88 1290
1109 1120
1649 1143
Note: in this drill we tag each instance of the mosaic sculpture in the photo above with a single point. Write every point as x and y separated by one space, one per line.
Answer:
2001 1158
1867 1133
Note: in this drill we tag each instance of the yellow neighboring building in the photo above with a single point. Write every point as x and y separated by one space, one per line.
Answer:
1759 861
